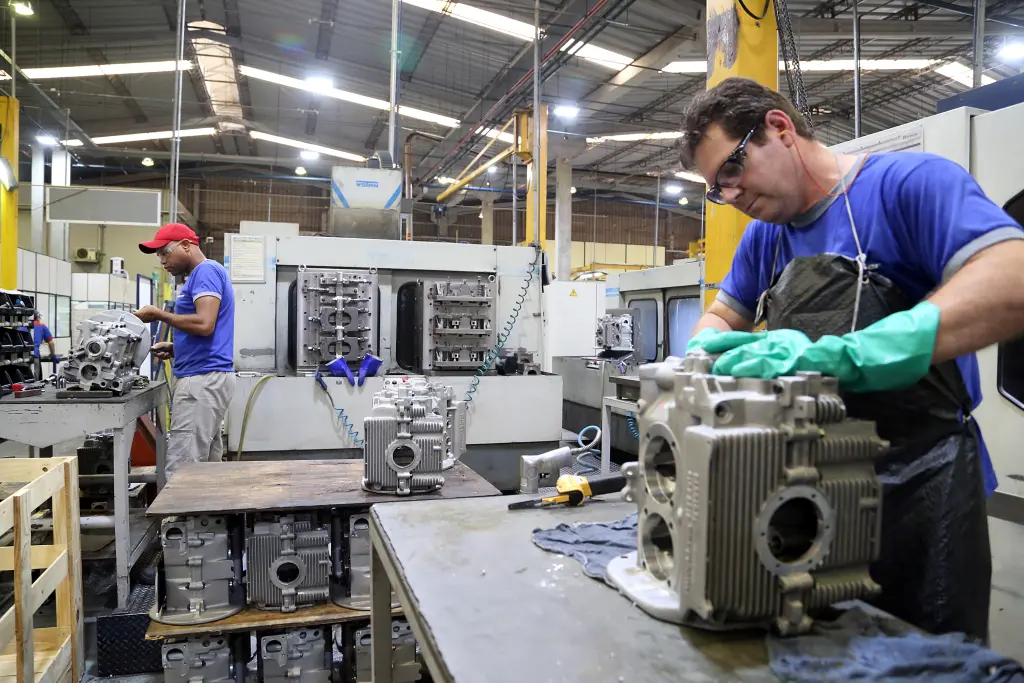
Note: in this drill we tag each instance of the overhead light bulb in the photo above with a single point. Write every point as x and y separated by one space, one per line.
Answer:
23 8
299 170
673 189
493 168
567 111
309 155
684 201
325 82
147 162
572 190
44 139
1012 52
691 176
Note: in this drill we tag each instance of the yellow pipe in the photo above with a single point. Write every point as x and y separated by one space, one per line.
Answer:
9 110
757 58
469 177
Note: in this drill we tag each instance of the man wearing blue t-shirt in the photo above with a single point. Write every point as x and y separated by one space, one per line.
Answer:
203 346
887 271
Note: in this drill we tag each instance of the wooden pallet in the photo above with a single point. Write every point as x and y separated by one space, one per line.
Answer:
42 655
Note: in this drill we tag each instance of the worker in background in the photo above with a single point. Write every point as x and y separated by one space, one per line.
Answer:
41 333
202 346
887 271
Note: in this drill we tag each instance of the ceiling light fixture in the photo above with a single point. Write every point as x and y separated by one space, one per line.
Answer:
321 82
46 140
572 190
143 137
309 155
299 170
472 15
299 144
597 55
493 168
1012 51
352 97
691 176
635 137
567 111
85 71
147 162
23 8
494 133
684 201
444 180
673 189
964 75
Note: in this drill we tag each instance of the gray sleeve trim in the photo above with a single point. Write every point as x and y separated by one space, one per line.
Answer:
200 295
734 303
985 241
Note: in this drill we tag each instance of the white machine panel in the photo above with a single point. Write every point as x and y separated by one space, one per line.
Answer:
358 187
570 309
504 410
336 252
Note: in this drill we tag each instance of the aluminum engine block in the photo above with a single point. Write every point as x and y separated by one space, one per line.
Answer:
350 586
415 430
615 331
200 578
758 500
288 562
405 652
110 348
300 655
209 659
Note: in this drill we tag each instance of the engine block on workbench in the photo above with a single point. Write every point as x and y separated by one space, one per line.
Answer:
110 348
758 500
288 561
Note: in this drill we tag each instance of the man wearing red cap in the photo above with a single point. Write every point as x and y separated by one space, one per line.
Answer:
203 346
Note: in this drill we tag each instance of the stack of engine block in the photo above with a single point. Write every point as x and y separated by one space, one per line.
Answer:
458 323
337 316
415 430
758 500
110 348
215 565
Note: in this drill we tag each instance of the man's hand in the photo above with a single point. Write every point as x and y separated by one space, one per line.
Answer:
162 350
149 314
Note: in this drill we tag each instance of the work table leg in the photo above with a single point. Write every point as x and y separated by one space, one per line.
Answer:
122 528
606 437
380 619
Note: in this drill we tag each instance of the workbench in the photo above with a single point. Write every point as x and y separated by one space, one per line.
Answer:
44 421
486 604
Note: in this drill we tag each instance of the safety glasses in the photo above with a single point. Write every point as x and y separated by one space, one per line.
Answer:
168 249
731 170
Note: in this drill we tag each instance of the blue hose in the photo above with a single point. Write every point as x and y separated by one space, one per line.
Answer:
631 423
504 334
579 437
351 427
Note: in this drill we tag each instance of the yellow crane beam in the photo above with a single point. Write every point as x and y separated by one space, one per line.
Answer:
9 110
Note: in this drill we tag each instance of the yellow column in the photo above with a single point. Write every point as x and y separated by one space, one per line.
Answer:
534 125
9 198
756 57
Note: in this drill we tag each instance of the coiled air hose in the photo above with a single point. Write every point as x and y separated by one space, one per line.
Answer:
631 423
506 331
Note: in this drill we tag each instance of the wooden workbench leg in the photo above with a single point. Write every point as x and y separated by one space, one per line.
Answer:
380 620
606 437
122 528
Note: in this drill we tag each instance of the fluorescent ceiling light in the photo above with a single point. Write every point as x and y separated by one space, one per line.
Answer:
567 111
684 201
299 170
472 15
23 8
143 137
572 190
962 74
123 69
494 133
636 137
673 189
299 144
493 168
444 180
597 55
218 69
1012 52
347 96
147 162
47 140
689 66
309 155
691 176
320 82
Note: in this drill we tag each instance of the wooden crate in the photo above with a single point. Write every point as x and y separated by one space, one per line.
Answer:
44 655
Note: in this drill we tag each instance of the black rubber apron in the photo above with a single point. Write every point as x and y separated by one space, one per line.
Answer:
935 567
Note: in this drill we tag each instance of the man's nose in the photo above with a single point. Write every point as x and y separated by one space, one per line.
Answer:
731 194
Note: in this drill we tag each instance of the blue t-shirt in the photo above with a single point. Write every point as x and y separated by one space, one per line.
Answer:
195 355
40 334
919 218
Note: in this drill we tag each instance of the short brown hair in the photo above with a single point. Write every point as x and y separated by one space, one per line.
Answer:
737 105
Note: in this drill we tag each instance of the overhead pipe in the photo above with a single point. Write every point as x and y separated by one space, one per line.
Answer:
396 29
176 121
856 71
979 41
407 160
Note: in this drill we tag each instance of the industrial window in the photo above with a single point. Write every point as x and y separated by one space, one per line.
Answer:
648 326
682 316
1011 354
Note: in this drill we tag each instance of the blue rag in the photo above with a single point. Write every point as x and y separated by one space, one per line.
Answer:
857 646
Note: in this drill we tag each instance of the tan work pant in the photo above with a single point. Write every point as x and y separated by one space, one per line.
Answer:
197 411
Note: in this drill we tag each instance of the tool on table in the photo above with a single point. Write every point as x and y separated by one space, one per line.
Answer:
27 389
573 490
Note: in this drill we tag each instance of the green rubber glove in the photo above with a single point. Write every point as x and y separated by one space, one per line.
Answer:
894 353
714 341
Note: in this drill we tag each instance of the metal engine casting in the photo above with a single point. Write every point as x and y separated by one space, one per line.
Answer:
110 348
209 659
405 652
336 316
288 562
458 323
615 331
350 586
300 655
758 500
201 572
415 430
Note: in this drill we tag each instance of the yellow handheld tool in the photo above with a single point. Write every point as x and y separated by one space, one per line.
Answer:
573 489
